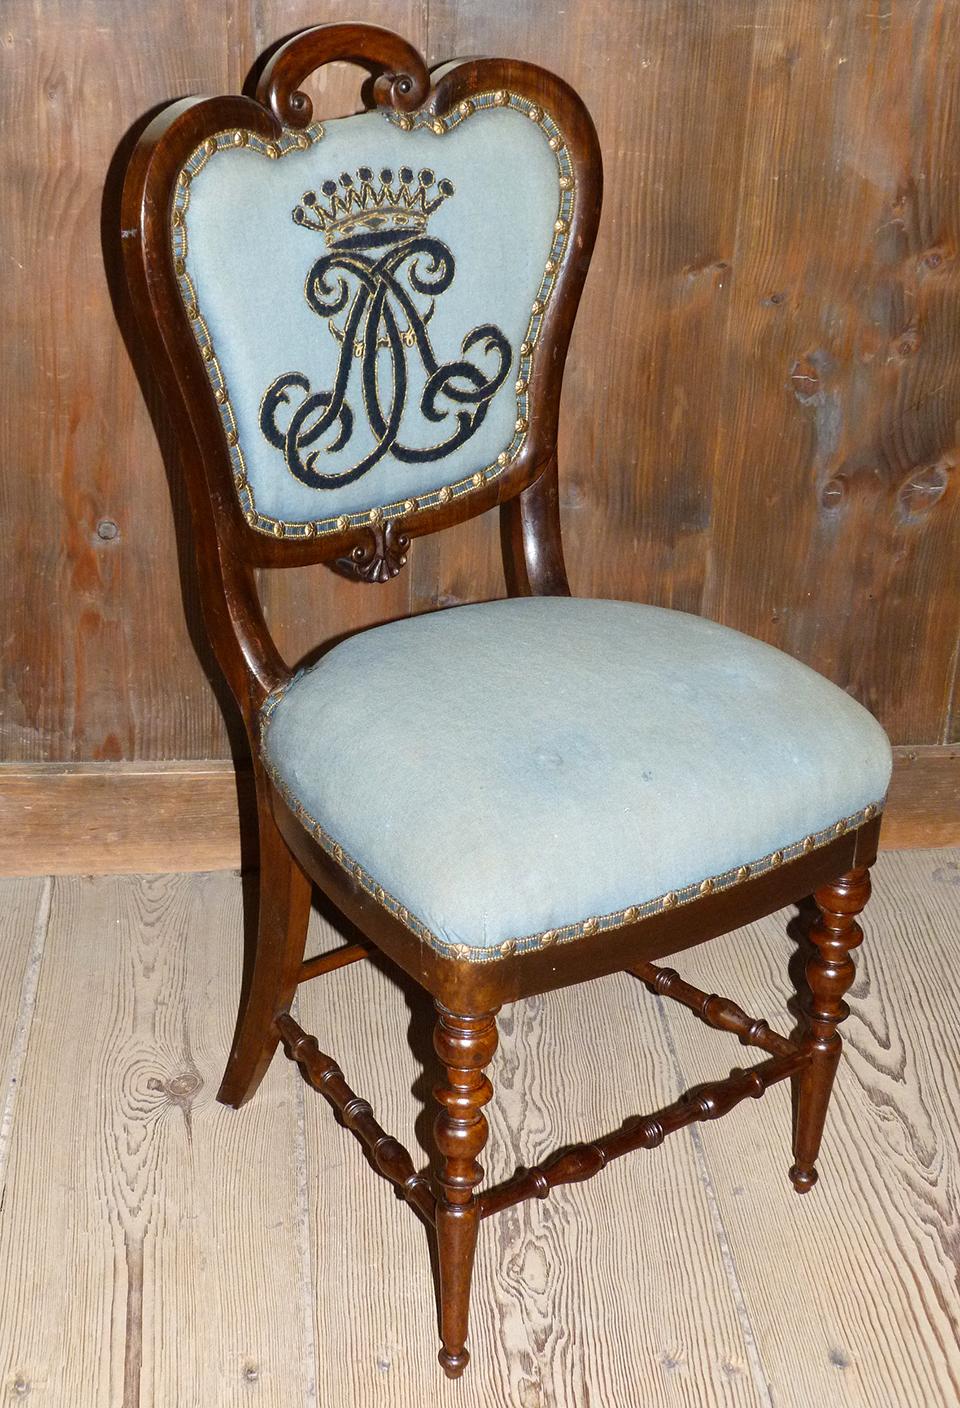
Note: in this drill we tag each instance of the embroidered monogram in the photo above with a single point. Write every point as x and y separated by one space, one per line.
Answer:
378 246
284 505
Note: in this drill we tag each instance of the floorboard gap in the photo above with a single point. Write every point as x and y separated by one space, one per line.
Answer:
28 1002
312 1399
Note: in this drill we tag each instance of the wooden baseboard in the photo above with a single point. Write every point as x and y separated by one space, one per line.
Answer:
923 804
118 818
114 818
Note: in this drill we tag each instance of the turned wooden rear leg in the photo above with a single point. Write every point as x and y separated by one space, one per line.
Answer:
284 912
465 1045
830 972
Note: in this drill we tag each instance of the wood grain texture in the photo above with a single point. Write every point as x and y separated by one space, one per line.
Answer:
147 1254
24 920
638 410
838 420
18 908
114 818
115 664
923 804
852 1289
97 658
762 393
718 1287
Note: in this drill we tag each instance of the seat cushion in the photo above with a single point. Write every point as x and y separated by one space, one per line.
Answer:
527 771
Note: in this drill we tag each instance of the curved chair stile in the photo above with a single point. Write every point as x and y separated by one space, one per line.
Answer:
360 327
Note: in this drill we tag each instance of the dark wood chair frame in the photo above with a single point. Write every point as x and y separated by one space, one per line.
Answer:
467 995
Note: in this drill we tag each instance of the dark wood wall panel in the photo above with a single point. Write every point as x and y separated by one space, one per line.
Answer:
641 393
104 656
762 396
761 400
842 377
97 659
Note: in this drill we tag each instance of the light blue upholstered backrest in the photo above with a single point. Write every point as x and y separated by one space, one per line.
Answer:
367 296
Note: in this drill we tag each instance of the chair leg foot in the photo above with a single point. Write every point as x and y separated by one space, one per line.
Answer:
465 1045
453 1365
283 915
803 1179
830 972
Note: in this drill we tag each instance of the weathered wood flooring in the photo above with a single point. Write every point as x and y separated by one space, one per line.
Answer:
158 1249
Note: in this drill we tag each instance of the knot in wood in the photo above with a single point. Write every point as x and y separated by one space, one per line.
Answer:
923 488
183 1086
833 494
805 379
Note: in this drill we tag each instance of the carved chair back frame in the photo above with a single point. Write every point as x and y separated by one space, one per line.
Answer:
229 547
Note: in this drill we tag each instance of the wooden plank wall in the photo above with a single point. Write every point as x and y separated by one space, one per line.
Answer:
762 397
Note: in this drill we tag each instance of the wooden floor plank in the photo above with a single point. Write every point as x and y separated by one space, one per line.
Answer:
18 911
150 1240
854 1287
578 1301
24 914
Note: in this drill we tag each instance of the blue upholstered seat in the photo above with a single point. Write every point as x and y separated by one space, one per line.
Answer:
536 769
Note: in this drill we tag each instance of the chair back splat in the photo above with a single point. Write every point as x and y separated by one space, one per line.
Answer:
360 328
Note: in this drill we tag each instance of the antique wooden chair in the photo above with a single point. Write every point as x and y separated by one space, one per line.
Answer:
360 329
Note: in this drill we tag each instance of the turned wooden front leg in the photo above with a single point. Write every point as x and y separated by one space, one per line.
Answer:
830 972
465 1045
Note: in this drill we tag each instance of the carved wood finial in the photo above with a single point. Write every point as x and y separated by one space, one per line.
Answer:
402 79
379 556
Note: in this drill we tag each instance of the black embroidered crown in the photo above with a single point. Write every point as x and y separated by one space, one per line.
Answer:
395 205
